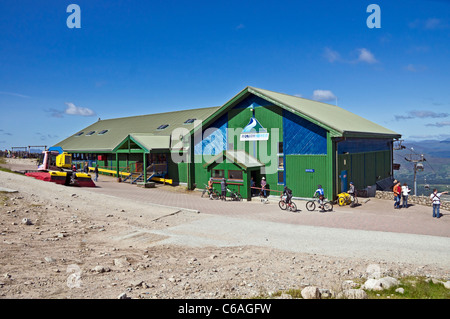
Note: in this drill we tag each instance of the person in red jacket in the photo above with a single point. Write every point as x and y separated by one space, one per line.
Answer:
397 195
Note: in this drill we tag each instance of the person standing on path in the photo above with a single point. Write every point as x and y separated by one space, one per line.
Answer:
405 193
96 172
223 186
397 195
263 187
435 197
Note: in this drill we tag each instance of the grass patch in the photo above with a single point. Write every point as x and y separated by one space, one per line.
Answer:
414 288
7 170
3 199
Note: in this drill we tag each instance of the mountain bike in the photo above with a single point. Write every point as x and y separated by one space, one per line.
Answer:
284 205
235 196
311 205
211 194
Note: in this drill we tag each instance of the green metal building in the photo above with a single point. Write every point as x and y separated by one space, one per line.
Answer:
258 133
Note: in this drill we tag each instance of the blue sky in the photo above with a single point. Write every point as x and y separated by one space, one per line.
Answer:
141 57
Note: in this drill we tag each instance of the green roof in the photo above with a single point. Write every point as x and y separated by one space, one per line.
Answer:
143 128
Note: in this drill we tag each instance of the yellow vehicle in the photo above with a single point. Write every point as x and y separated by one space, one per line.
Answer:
57 168
346 199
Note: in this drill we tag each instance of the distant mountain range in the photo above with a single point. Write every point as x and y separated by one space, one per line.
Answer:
436 167
434 148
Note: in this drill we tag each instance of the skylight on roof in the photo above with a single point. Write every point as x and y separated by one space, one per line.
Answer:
162 127
189 121
79 134
90 133
102 132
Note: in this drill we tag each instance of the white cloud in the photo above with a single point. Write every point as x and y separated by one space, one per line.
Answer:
440 124
331 55
421 114
72 109
415 68
366 56
15 94
323 95
428 24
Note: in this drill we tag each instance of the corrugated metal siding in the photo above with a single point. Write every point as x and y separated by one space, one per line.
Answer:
363 169
303 137
362 145
201 175
303 183
177 171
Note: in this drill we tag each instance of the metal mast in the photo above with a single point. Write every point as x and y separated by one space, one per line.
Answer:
417 159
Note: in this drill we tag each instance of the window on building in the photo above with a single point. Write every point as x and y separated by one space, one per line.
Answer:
235 174
280 177
90 133
102 132
189 121
79 134
280 148
218 173
162 127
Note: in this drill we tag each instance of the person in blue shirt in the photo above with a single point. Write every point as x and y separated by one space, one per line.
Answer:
319 191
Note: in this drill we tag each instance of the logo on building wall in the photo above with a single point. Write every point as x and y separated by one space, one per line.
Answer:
254 132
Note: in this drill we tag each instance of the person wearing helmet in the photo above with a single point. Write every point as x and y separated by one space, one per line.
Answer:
319 191
288 193
351 191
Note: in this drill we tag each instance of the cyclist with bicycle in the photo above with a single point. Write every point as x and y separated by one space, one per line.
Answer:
210 185
288 193
321 194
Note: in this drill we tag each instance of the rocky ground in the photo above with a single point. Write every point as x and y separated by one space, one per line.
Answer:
65 242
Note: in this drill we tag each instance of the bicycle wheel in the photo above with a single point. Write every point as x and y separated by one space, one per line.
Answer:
238 197
282 204
328 206
310 206
214 195
293 207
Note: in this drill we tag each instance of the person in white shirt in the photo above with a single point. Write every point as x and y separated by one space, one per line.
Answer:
435 197
405 193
